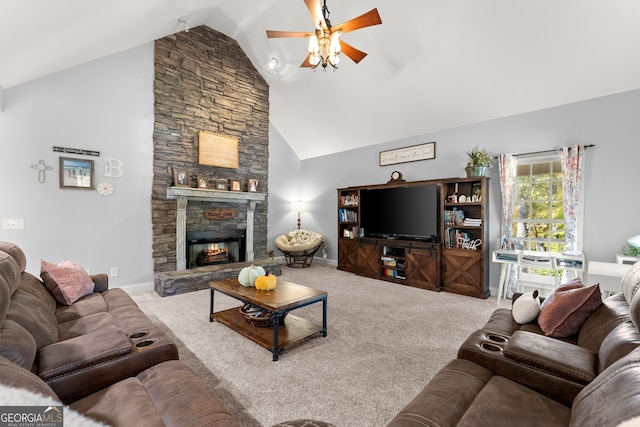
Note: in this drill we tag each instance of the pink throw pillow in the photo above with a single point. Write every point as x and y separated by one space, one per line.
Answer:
564 312
66 281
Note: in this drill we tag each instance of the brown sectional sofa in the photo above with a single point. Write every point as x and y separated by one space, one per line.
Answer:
101 355
508 374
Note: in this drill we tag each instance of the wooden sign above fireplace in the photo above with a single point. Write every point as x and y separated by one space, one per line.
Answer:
220 214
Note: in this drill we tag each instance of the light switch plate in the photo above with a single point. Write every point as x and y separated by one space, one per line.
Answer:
12 224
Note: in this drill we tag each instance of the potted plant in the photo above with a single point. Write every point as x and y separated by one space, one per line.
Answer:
479 161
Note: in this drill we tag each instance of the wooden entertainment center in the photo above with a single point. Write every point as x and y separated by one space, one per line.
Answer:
455 261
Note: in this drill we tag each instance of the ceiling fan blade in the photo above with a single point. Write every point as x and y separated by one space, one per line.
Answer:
316 14
351 52
306 63
275 34
365 20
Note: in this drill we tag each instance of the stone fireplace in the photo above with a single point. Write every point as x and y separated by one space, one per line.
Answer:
204 81
210 247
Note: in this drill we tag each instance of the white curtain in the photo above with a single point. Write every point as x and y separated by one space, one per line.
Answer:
571 188
508 168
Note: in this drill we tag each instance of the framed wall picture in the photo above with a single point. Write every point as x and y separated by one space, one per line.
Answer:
180 177
253 185
235 185
76 173
203 181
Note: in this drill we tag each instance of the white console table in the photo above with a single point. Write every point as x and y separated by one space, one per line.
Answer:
574 262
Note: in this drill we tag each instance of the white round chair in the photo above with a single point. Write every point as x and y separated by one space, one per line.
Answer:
299 247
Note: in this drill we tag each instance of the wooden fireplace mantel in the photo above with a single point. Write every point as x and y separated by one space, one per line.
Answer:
183 195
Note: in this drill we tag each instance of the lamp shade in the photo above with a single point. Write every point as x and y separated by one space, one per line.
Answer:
634 241
297 206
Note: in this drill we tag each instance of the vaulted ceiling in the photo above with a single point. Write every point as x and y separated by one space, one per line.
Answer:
431 65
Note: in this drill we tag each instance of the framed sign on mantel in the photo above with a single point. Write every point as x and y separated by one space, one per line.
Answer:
413 153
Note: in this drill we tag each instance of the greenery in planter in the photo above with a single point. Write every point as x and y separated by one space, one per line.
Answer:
478 162
629 250
478 157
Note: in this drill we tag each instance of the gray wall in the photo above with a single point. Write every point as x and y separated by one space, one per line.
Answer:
107 105
610 167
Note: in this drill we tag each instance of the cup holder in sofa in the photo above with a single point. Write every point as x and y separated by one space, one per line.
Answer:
497 338
139 334
490 347
144 343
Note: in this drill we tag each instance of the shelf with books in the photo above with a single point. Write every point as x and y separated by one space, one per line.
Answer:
348 214
465 236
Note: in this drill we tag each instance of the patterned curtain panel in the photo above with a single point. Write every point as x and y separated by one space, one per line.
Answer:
508 164
571 180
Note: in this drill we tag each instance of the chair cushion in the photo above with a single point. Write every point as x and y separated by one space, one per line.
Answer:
526 308
564 312
67 281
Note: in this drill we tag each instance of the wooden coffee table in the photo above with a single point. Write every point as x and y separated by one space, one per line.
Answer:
279 302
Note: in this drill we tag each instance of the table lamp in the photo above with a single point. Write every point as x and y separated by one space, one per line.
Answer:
298 207
634 241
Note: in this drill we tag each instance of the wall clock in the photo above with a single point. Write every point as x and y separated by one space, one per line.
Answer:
104 188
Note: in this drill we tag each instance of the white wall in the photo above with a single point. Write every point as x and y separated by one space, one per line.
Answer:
284 188
610 170
106 106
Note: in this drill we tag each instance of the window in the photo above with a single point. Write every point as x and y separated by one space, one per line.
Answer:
538 218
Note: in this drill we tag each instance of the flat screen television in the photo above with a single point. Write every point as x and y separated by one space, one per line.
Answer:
411 212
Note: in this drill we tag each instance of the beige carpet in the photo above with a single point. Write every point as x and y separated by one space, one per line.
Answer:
385 341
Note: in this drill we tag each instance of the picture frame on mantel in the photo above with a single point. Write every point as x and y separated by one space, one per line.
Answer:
180 177
235 185
203 181
76 173
253 185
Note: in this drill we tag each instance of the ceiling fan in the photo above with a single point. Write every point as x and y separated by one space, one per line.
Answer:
325 44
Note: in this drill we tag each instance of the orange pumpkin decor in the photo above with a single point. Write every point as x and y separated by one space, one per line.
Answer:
266 282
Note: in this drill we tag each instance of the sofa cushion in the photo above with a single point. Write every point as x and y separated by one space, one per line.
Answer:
17 344
564 312
67 281
613 312
526 308
30 313
167 394
612 398
82 351
14 252
12 374
85 325
466 394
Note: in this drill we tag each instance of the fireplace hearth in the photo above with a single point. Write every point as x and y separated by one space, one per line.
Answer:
209 247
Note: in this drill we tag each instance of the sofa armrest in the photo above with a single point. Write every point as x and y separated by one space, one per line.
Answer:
487 349
553 356
101 282
81 352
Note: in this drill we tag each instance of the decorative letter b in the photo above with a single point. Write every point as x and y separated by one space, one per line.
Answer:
113 168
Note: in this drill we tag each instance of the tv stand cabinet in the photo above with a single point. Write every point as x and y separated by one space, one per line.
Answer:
455 264
405 262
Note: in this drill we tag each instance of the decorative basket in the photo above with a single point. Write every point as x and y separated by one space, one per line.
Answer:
256 316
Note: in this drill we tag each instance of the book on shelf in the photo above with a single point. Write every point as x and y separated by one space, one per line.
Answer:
472 222
347 215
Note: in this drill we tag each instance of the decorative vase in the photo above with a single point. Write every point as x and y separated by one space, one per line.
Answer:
475 171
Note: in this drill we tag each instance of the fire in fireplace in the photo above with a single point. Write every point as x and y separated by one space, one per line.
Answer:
207 247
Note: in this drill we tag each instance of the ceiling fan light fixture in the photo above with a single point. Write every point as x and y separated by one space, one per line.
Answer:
325 45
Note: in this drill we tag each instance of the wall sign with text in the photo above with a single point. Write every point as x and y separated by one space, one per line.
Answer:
413 153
